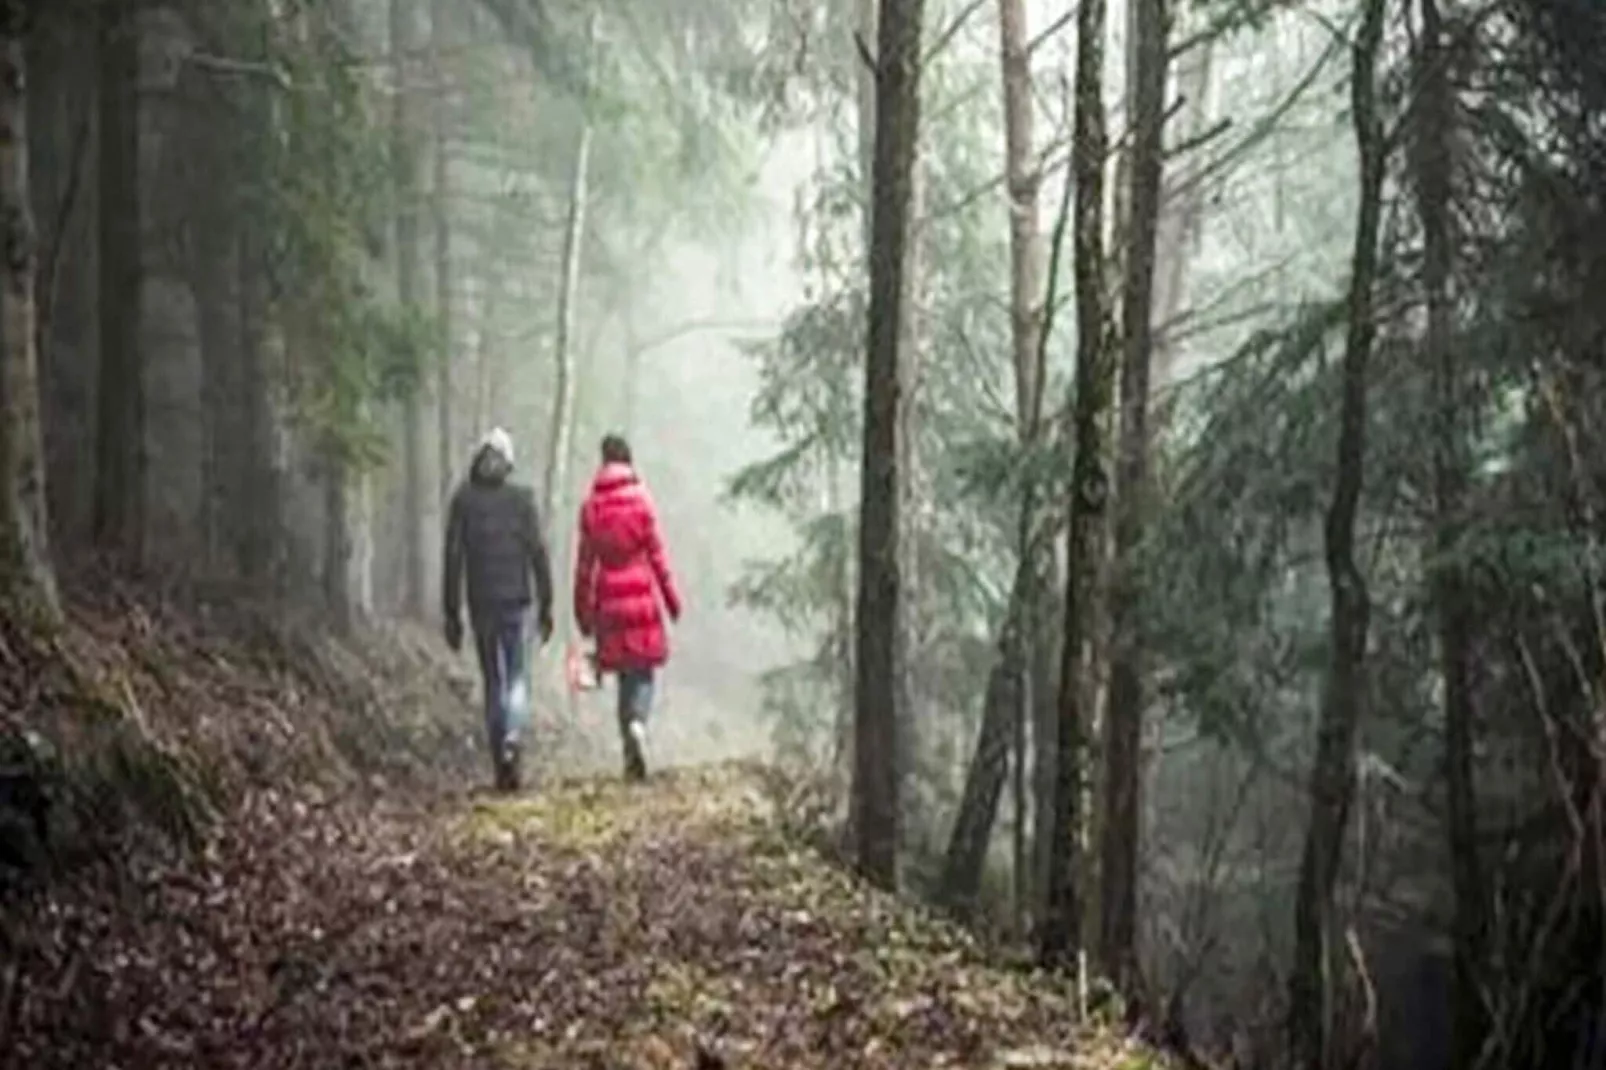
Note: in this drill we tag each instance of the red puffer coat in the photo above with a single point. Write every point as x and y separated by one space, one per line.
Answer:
621 570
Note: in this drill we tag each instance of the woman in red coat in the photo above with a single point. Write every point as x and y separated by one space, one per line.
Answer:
621 572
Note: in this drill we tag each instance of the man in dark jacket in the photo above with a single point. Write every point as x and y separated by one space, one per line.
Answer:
494 540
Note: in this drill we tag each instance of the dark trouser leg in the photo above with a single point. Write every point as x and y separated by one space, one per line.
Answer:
487 644
635 703
513 646
499 641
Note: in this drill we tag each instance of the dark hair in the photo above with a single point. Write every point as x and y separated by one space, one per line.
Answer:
615 450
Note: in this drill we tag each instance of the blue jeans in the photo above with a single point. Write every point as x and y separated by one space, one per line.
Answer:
635 696
635 702
502 640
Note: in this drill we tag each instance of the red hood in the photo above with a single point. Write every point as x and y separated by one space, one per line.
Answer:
610 477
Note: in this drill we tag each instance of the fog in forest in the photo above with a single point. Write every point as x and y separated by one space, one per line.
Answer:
1132 468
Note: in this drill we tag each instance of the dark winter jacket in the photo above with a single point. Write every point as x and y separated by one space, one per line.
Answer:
622 573
493 535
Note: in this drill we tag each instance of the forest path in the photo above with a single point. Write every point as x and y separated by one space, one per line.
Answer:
587 923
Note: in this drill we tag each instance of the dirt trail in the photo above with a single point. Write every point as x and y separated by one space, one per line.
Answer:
587 924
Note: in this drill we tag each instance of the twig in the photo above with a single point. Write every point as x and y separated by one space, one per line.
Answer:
1368 1038
1051 30
865 55
949 32
244 67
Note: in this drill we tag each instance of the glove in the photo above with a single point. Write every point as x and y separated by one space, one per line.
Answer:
544 627
454 634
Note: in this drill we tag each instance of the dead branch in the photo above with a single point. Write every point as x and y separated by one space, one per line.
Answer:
1366 1042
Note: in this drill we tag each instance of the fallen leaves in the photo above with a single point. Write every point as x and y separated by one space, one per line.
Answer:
592 924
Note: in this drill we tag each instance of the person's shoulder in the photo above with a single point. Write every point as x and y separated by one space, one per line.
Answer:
640 494
521 494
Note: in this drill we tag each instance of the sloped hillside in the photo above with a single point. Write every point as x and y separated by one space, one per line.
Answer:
146 718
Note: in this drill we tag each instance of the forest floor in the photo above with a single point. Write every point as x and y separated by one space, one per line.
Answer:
348 902
588 924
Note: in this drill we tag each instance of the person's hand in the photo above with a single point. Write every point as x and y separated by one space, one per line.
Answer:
454 633
544 628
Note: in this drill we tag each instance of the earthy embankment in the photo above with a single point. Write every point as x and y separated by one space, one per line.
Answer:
363 913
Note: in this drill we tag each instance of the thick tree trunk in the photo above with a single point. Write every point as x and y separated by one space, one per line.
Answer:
256 520
25 569
966 858
120 391
914 733
1060 935
875 818
217 217
1437 122
1332 785
1004 711
442 204
339 545
212 282
844 581
404 164
1123 727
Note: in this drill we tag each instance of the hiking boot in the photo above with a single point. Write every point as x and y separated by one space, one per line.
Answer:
636 750
508 766
510 770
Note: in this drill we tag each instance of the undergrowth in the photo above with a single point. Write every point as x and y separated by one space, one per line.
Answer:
143 718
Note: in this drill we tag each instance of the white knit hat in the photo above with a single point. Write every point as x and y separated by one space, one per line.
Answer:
499 441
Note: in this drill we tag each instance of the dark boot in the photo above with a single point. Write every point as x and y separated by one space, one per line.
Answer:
635 758
513 763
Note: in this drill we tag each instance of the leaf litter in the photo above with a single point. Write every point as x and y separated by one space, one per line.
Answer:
588 924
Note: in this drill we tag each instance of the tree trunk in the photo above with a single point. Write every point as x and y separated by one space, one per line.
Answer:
561 432
487 362
1180 210
574 232
910 491
844 581
24 528
214 242
442 203
1123 727
257 520
339 545
1004 714
404 161
966 858
212 247
875 818
1332 785
1434 189
120 390
1060 936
